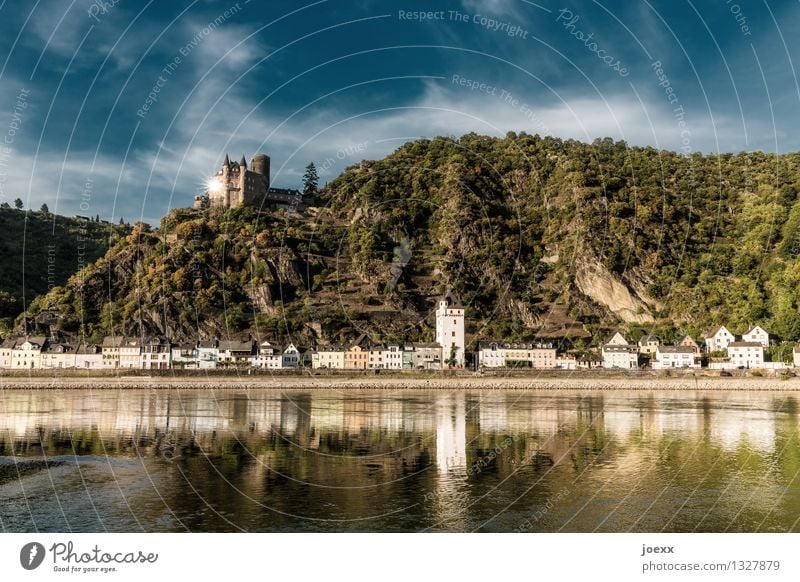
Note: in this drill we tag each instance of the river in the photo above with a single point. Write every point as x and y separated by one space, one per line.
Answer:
407 461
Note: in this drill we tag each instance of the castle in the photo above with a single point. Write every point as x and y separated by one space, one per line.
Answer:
236 185
450 329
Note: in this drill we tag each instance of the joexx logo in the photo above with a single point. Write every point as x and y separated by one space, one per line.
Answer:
31 555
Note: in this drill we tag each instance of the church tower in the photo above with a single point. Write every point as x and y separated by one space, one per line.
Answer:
450 329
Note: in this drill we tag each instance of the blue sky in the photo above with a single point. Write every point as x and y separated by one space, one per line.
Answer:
127 108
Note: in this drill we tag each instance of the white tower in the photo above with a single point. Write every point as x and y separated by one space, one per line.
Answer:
450 329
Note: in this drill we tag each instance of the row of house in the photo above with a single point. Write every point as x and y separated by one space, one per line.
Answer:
723 349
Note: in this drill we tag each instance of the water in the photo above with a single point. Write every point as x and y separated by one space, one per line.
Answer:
398 461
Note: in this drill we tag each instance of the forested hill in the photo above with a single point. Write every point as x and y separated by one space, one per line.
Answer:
40 250
540 237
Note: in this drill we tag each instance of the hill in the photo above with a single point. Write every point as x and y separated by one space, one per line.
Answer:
541 237
40 251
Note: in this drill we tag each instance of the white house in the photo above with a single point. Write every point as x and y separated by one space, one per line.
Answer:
28 354
184 356
393 356
618 352
290 358
450 329
89 357
130 353
207 354
57 356
675 357
156 354
235 351
796 354
331 358
717 340
746 354
269 356
757 334
5 353
491 355
566 362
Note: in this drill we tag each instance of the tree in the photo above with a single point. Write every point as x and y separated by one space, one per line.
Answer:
310 180
44 209
18 204
5 205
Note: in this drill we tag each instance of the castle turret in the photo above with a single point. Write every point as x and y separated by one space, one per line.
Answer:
243 163
260 165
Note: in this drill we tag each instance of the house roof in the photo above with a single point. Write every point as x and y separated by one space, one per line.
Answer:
207 344
427 345
675 350
711 332
754 328
88 349
745 345
688 337
9 343
59 349
236 346
649 338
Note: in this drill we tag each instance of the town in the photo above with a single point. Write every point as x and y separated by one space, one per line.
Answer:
721 350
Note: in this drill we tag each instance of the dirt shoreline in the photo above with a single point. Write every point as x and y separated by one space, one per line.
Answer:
598 383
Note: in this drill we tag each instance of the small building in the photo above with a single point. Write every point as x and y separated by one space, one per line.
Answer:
757 334
291 356
236 352
58 356
207 354
450 329
6 348
184 356
688 342
269 356
589 361
331 358
376 354
428 356
393 356
717 339
89 357
110 351
618 352
491 355
746 354
668 357
357 355
648 344
409 356
566 362
156 354
130 354
28 354
796 356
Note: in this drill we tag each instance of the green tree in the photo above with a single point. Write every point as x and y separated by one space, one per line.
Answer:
44 209
310 181
18 204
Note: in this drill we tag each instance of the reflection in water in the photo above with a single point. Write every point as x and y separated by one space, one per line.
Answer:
409 461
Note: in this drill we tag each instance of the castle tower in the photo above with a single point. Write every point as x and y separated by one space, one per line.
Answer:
450 328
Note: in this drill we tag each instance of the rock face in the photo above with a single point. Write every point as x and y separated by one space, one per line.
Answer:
597 283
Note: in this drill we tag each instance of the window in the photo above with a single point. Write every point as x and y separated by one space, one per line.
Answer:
454 334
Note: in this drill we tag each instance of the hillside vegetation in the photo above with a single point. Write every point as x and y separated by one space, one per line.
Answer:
39 251
540 237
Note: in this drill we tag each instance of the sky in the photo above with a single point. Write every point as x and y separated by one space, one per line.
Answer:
125 109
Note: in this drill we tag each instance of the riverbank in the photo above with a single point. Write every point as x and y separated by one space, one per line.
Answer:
341 382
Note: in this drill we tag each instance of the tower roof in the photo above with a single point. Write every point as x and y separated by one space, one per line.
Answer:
243 163
227 161
452 299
